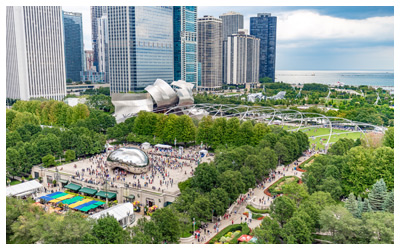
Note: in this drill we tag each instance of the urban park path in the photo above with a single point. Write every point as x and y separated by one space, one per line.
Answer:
257 193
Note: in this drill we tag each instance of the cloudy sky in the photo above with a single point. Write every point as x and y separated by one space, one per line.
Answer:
316 38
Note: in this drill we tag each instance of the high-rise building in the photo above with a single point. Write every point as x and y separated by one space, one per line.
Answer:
102 43
73 45
140 46
242 62
209 40
95 13
264 27
231 23
35 59
89 58
185 44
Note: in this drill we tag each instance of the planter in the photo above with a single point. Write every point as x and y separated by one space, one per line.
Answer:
187 240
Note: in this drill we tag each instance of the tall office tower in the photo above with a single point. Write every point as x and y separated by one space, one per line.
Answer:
140 46
89 60
73 45
231 23
264 27
35 52
102 42
242 62
95 13
209 40
185 44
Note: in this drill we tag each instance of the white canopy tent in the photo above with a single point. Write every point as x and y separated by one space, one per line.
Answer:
145 145
123 213
163 146
203 152
25 188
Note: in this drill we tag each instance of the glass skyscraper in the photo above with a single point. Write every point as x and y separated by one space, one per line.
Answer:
185 44
73 45
95 13
140 46
264 27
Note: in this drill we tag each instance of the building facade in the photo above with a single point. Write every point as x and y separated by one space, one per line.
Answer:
140 46
35 61
242 61
231 23
264 27
102 46
95 13
89 59
93 76
209 42
73 45
185 44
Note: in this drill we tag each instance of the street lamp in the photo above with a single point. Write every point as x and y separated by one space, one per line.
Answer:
194 223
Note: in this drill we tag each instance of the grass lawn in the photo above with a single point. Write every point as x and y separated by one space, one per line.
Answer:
14 182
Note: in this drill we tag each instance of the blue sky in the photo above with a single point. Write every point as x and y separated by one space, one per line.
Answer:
316 38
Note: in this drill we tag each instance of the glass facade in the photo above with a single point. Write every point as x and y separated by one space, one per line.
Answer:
140 46
264 27
95 13
73 45
185 44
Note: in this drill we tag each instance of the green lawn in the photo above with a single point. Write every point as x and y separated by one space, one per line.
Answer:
14 182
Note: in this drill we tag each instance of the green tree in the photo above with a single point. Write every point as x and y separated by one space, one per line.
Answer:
282 209
260 130
245 134
268 232
101 102
341 224
248 177
232 130
296 231
70 155
48 160
388 139
352 205
388 205
168 224
13 162
12 138
232 182
205 177
282 153
204 133
377 196
332 186
379 227
219 199
296 192
145 232
108 231
170 131
218 132
22 118
185 129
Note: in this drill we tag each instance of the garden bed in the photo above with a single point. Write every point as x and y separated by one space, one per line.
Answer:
302 167
255 210
277 187
243 228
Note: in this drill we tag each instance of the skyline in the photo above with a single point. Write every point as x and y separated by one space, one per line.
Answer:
365 33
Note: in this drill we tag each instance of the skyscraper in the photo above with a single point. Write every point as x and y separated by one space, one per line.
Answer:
95 13
209 42
140 46
73 44
242 62
102 45
185 44
264 27
35 52
231 23
89 60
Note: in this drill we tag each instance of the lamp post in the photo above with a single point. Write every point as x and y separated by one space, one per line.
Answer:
194 223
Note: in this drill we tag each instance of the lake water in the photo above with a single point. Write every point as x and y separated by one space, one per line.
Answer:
371 78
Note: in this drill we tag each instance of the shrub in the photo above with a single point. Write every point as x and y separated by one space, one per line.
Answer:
242 227
255 210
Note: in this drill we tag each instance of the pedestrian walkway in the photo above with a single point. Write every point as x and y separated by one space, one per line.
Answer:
241 208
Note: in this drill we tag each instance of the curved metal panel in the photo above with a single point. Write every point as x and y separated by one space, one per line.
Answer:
184 92
162 94
128 105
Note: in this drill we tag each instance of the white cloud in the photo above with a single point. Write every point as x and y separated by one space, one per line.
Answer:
306 24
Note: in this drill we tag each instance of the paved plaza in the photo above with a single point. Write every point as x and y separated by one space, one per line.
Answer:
168 170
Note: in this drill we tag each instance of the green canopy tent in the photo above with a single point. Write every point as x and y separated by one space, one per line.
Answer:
88 191
73 187
108 195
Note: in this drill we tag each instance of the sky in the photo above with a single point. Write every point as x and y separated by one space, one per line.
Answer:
316 37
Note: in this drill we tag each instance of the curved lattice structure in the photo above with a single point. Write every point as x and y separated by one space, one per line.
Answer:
271 116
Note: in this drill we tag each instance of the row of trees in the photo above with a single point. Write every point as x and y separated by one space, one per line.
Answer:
29 144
